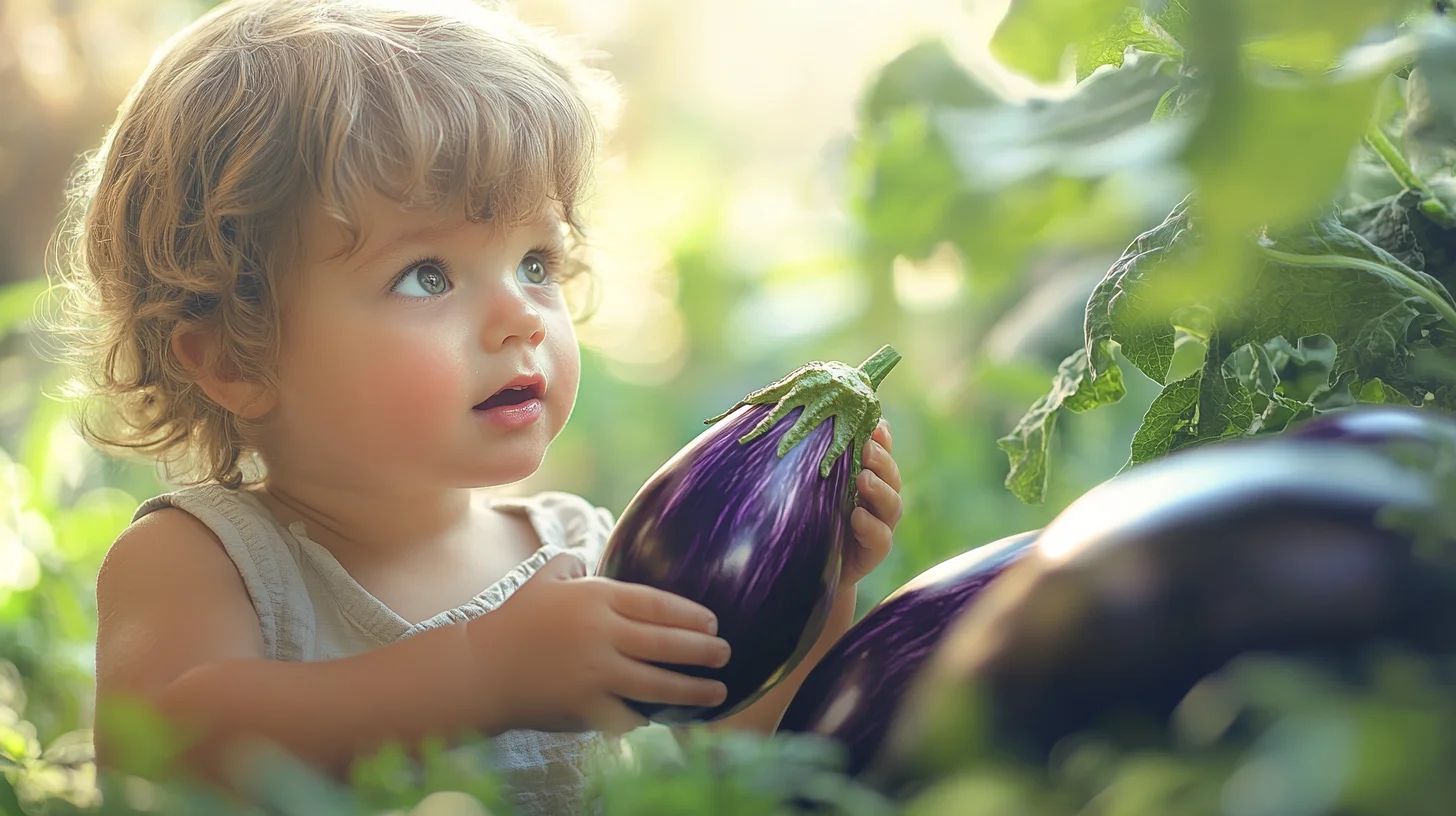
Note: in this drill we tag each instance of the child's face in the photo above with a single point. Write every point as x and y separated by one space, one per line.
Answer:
387 351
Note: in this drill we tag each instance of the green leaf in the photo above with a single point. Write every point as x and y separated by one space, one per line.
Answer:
1170 15
1320 279
1346 300
1254 132
1313 34
1074 388
1170 412
1031 175
1134 30
1224 407
1119 309
1324 278
924 76
1206 407
1103 127
1429 131
1401 225
1378 392
1035 35
905 183
903 178
9 802
144 743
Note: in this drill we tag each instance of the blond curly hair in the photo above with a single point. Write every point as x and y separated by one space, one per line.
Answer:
186 213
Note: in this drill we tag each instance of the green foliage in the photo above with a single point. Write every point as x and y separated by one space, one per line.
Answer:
1260 116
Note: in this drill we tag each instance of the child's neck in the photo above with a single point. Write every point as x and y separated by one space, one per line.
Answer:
416 563
364 521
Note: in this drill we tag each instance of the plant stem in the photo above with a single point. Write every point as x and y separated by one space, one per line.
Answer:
879 364
1440 304
1406 175
1399 167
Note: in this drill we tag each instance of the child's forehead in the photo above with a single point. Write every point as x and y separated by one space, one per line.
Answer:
376 223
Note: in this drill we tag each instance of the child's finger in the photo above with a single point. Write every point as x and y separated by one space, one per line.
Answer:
650 605
653 684
882 435
874 535
877 458
663 644
879 498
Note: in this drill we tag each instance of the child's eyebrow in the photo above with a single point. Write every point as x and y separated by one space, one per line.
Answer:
551 225
418 235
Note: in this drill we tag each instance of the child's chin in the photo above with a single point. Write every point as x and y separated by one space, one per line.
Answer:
515 469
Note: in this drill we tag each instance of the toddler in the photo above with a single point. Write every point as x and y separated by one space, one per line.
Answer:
316 271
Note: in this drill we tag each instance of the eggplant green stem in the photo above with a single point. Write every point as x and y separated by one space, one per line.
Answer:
825 390
1407 176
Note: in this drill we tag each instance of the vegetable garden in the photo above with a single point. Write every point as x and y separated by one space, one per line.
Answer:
1241 602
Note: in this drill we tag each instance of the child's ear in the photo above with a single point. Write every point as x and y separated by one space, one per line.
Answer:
196 348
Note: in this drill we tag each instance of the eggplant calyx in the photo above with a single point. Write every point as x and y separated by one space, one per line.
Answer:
825 390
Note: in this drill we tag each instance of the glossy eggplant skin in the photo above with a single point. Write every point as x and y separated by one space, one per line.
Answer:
1162 576
852 694
756 538
1379 425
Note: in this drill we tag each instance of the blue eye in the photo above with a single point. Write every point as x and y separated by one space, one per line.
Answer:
428 276
534 270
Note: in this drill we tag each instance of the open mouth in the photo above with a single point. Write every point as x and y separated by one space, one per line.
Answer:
511 395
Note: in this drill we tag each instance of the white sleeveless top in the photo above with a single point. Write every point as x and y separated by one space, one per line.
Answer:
309 608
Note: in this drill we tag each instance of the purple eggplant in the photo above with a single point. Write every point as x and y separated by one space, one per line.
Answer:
1163 575
1379 425
853 693
750 520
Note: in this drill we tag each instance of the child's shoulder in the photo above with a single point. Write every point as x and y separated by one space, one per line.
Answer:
164 563
558 502
562 519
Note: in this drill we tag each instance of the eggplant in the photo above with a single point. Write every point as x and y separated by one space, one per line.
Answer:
1379 425
750 519
1162 576
852 694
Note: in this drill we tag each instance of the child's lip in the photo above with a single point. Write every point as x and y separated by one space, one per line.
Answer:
531 381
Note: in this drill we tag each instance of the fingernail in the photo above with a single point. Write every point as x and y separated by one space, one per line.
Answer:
712 625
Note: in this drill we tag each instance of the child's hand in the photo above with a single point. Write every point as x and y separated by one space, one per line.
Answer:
874 520
562 652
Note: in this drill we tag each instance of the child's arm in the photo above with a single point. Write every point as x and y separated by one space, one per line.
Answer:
177 630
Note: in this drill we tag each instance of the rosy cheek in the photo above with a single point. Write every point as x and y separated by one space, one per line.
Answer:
566 365
421 384
388 378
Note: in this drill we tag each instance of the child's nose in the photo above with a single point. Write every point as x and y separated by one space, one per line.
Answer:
510 317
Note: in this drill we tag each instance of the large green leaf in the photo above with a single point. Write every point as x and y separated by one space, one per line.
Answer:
1377 317
925 75
1031 175
1313 34
1035 35
1136 31
1256 156
905 183
1103 127
934 164
1027 445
